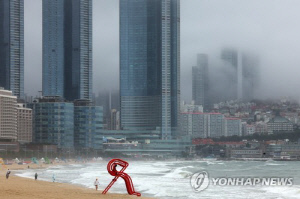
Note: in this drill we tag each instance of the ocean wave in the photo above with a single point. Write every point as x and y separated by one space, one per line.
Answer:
274 164
286 192
167 180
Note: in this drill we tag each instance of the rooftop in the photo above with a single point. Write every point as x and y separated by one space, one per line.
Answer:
279 119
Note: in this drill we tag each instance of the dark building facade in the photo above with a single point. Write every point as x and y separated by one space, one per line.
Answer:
53 122
250 76
150 65
12 46
109 100
88 123
67 49
68 125
201 81
230 71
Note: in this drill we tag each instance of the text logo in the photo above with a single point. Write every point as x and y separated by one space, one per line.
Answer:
200 181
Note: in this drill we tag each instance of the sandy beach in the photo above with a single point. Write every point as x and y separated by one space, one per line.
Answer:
23 188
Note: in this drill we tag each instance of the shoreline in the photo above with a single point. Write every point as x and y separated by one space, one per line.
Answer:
17 187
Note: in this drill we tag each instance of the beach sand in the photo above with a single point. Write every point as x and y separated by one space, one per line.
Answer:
24 188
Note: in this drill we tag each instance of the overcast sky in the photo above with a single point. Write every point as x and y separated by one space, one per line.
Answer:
269 27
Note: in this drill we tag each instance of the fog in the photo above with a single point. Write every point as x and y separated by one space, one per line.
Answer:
270 28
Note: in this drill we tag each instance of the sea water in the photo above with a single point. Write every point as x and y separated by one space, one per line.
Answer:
171 179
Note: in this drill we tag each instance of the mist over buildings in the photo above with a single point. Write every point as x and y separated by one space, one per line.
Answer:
269 29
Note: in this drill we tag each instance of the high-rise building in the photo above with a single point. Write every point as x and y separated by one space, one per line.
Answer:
53 48
68 125
194 124
240 75
230 71
8 116
88 123
200 81
250 75
67 49
233 126
108 100
150 65
53 122
191 108
203 125
12 46
114 120
216 125
24 124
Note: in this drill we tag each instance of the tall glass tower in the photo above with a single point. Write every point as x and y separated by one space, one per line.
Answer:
12 46
53 48
250 75
200 81
230 60
67 48
150 65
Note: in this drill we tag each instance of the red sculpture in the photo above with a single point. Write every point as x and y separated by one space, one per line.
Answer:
112 170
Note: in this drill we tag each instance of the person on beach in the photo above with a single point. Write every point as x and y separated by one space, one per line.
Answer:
35 176
53 178
7 174
96 183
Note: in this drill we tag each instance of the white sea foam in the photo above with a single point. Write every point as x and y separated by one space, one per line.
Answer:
285 192
273 164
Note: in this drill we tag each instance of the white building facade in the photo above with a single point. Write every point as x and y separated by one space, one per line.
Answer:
24 124
202 125
8 116
233 126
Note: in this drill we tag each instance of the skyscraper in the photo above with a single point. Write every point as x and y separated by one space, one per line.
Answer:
67 48
53 48
109 100
200 81
150 65
12 46
250 75
230 61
